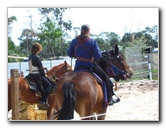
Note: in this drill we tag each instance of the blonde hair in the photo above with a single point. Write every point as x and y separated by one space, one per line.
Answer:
36 48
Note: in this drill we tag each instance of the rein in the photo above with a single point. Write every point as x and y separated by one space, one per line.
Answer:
53 76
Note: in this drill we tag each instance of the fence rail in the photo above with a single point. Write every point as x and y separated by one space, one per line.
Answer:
18 57
143 65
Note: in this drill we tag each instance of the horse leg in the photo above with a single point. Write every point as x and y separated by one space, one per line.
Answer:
49 113
85 112
102 111
51 107
116 86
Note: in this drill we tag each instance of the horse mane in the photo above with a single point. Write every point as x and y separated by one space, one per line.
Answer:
54 67
120 53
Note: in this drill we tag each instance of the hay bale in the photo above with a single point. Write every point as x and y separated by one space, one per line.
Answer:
26 111
30 112
40 115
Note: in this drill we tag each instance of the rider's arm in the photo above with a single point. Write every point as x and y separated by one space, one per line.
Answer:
71 49
40 66
96 51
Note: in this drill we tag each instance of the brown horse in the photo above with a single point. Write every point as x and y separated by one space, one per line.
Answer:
81 92
29 96
119 60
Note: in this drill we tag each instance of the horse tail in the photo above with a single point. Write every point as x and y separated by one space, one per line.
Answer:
67 110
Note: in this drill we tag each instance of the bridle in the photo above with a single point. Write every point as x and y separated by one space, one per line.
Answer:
67 68
110 57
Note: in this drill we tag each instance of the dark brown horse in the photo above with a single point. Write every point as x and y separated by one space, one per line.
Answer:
118 59
29 96
80 92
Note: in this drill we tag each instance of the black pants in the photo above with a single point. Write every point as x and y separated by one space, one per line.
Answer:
38 80
105 78
47 86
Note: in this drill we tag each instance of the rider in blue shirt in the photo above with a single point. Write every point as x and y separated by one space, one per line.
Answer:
87 53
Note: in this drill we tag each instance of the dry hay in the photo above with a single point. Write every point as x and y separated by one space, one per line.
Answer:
31 112
26 111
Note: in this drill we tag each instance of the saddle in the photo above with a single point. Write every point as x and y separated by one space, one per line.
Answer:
35 87
99 80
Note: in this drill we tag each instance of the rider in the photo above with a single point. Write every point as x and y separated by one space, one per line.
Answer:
87 53
36 71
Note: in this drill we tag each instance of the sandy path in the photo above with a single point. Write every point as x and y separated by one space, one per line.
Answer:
139 102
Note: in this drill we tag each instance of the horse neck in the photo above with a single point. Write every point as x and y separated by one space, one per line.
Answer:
58 71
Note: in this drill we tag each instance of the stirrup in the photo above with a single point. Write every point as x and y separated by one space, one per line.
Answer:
38 94
115 100
110 103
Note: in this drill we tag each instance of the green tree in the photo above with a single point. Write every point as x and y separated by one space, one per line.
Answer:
56 15
27 38
11 20
114 39
11 45
50 37
107 40
147 37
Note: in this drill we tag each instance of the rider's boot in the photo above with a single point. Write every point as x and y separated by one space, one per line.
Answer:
43 100
113 98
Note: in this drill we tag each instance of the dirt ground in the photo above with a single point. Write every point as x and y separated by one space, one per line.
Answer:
139 102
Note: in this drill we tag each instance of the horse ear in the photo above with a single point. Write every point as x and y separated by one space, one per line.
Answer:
65 62
116 49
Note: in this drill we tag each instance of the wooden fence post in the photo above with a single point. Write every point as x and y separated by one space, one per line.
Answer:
15 94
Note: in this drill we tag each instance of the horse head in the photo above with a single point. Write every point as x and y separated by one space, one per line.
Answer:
58 70
118 59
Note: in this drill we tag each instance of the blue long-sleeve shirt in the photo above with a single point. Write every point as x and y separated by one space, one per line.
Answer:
88 50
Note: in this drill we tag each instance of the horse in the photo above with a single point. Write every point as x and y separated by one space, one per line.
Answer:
117 58
27 95
80 92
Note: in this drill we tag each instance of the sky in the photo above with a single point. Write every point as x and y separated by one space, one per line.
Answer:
118 20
